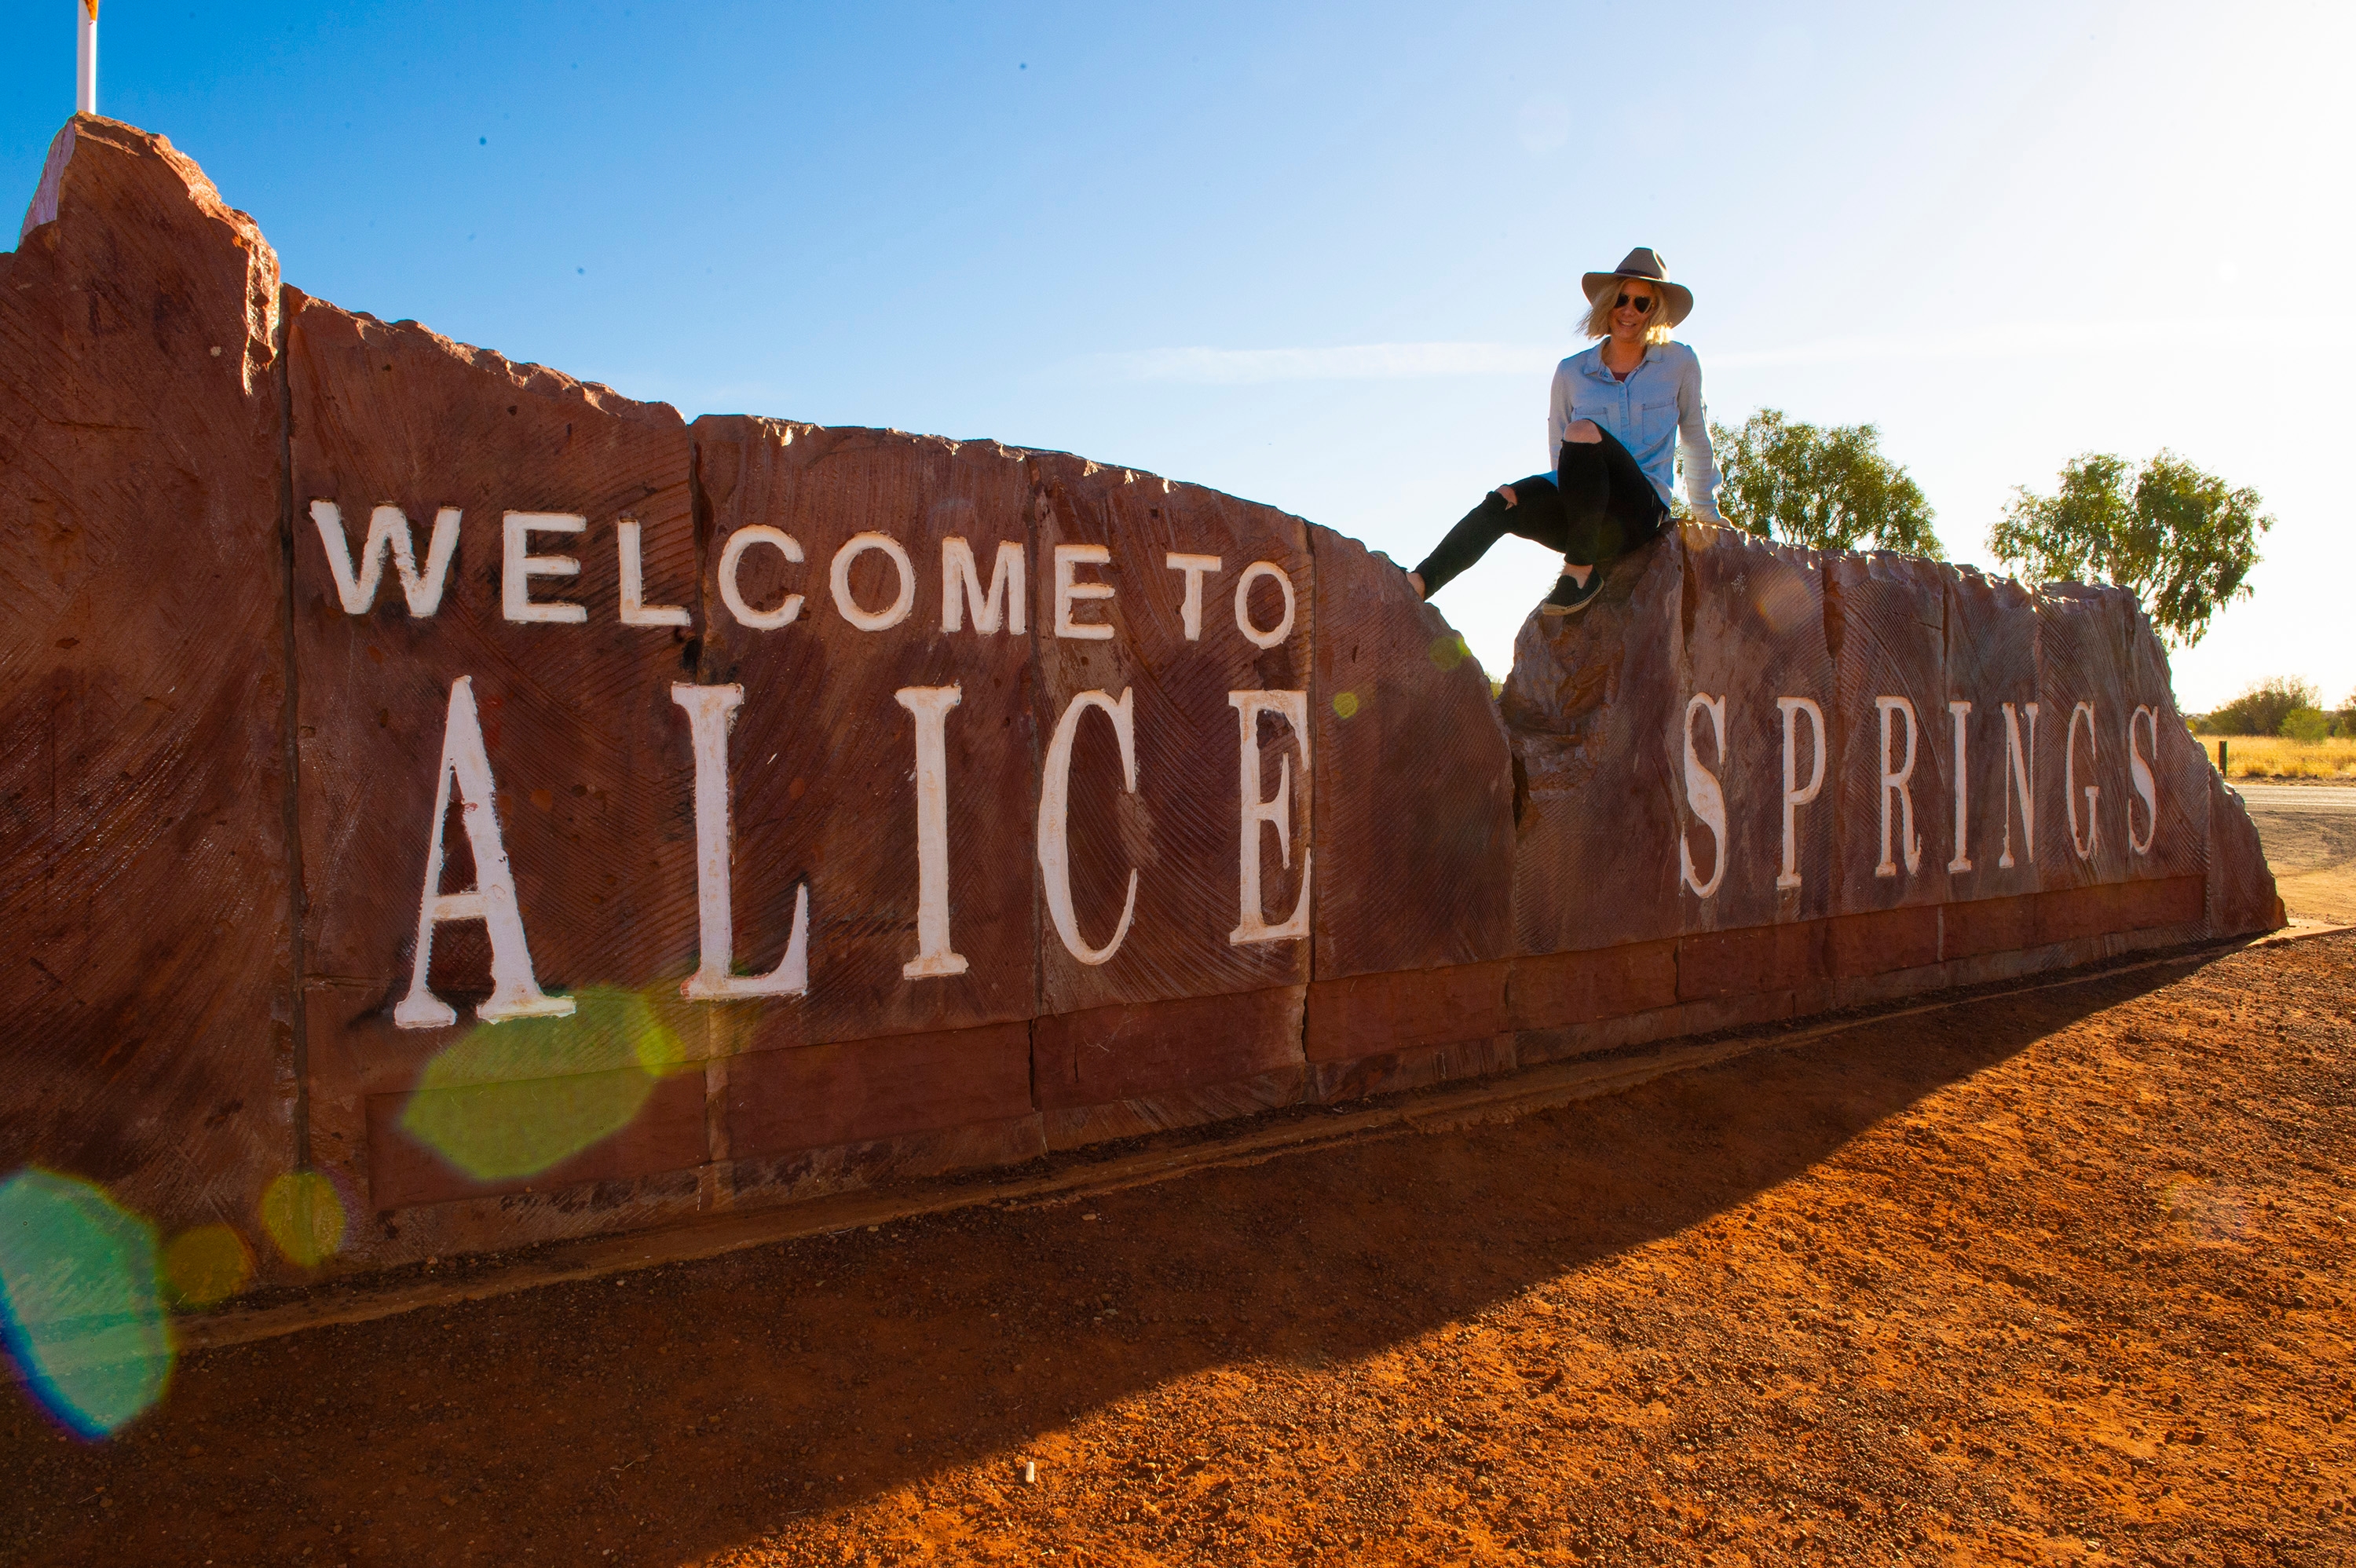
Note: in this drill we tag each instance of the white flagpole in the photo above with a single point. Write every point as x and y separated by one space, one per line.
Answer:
86 60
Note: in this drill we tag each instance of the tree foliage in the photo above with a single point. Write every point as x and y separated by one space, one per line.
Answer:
2305 724
1832 490
2263 708
2178 537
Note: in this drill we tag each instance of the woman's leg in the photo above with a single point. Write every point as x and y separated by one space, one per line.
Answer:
1533 513
1609 507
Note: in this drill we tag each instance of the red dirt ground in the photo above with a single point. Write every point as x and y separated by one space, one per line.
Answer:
2055 1277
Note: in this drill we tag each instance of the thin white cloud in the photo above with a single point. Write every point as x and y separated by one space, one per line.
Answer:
1408 361
1349 362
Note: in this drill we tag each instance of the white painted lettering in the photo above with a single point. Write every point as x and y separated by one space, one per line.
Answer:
388 535
1960 712
2146 788
2087 843
1704 798
1190 608
515 993
1283 627
732 558
2021 766
1275 812
1894 782
930 704
711 713
1068 558
519 566
636 611
838 578
1794 796
962 587
1054 820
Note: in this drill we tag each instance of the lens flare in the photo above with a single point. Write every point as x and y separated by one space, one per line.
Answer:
515 1099
304 1216
1446 653
80 1301
2205 1214
1782 600
1346 705
207 1265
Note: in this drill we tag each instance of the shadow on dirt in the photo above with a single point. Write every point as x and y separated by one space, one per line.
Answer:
671 1414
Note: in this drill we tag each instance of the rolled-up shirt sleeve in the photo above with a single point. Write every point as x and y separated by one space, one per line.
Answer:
1557 412
1693 444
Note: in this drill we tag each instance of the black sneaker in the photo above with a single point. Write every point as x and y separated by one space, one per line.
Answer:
1568 598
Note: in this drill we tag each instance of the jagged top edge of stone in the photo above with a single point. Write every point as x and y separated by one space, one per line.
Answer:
546 380
787 430
522 375
1715 536
122 136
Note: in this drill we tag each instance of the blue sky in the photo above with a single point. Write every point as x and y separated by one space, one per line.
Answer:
1324 256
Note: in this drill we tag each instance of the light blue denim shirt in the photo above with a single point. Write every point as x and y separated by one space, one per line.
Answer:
1655 413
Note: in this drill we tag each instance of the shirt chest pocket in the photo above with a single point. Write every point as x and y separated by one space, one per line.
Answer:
1653 419
1604 408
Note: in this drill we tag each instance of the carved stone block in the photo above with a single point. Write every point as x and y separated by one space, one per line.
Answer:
142 681
1413 782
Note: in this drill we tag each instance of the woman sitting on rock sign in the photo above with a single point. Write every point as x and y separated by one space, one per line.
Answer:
1620 414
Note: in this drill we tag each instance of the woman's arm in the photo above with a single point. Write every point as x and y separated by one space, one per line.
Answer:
1693 444
1558 412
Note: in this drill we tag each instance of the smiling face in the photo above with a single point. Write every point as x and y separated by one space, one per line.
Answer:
1635 310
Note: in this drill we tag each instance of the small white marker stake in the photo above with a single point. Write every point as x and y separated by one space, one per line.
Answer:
86 59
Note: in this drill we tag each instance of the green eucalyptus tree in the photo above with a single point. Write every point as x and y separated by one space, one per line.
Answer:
1829 488
2182 540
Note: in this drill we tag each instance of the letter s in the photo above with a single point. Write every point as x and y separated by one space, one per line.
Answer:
1703 796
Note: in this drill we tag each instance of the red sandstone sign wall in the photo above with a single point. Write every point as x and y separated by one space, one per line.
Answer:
542 814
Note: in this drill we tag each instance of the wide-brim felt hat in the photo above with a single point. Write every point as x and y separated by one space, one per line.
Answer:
1643 263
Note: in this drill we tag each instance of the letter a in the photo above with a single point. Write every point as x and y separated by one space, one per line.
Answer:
515 993
711 709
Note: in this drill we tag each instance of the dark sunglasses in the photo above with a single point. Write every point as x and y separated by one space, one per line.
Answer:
1642 304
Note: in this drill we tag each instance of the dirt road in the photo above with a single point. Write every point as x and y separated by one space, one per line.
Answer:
2057 1278
2310 833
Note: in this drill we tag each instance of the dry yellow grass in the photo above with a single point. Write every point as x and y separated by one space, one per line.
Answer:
2272 757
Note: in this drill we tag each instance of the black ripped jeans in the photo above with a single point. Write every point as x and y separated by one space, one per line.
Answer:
1597 505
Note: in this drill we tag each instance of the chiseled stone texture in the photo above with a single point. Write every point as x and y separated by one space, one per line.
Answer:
1597 711
588 751
144 874
1490 884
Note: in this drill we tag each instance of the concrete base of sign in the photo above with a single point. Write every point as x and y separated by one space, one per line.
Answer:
508 812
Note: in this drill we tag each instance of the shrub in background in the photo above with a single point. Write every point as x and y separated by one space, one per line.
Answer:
2305 724
2262 708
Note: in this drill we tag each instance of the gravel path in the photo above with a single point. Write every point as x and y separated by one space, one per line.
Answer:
2060 1276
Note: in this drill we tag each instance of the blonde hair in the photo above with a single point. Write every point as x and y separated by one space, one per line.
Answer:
1599 308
